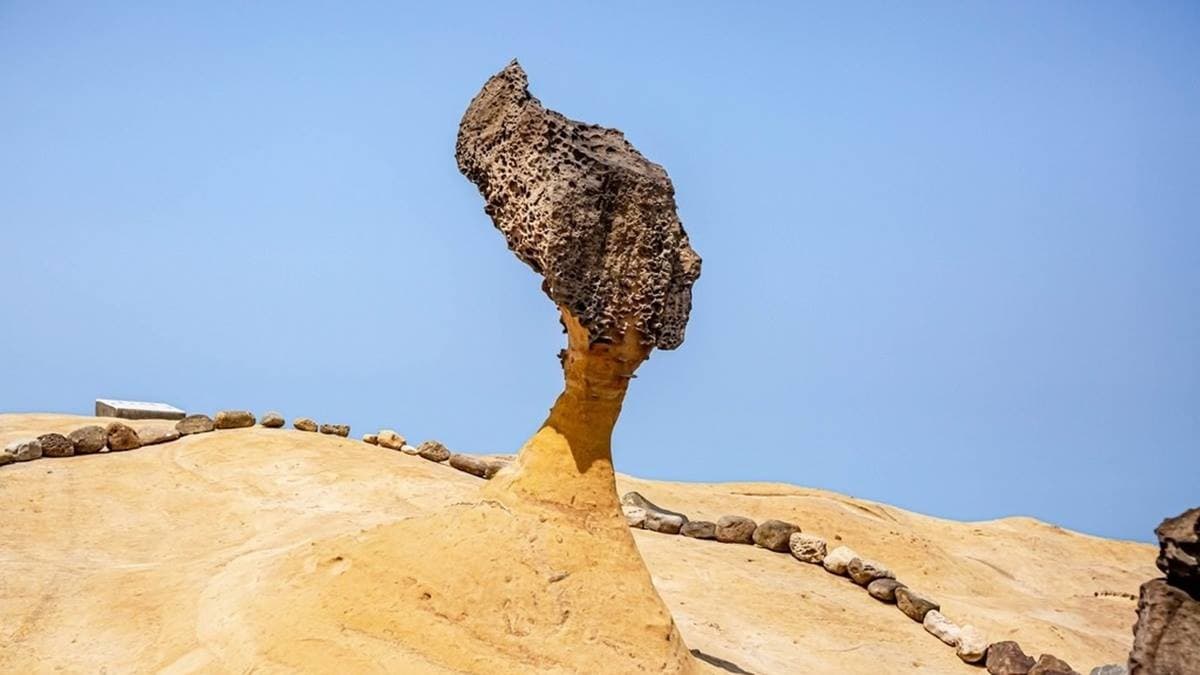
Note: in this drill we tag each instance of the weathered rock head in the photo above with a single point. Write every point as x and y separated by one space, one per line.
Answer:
582 207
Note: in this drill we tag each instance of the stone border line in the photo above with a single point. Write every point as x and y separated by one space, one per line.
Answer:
969 643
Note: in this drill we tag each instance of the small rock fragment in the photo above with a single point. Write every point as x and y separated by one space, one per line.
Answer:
914 605
774 535
304 424
153 435
121 437
699 529
391 440
433 451
476 466
373 439
410 450
937 625
658 519
23 450
864 571
1006 658
807 548
972 644
1110 669
1048 664
735 530
884 590
272 420
838 559
56 445
635 516
194 424
88 440
233 419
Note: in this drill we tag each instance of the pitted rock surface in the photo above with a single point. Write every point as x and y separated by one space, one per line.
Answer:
582 207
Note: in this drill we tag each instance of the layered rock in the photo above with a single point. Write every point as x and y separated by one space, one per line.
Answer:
1167 634
1179 551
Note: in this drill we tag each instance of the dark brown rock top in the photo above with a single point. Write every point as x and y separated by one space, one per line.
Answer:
1179 550
582 207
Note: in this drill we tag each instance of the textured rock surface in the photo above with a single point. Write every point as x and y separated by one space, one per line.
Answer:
774 534
1048 664
658 519
121 437
807 548
304 424
1110 669
1166 637
914 605
699 529
153 435
23 450
56 445
736 530
864 571
635 516
195 424
1179 551
476 466
233 419
580 205
391 440
342 430
88 440
838 559
884 590
433 451
373 439
972 644
272 420
937 625
1007 658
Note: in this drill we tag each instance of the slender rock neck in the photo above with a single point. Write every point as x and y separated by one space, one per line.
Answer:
568 462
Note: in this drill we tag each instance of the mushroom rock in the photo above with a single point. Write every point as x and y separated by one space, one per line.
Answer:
540 572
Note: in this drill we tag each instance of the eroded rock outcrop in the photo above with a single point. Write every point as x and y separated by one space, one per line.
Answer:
1166 637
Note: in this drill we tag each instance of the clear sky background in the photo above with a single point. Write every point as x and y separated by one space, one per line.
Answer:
951 252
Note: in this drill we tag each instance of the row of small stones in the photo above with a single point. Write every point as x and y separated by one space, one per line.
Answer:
1001 658
971 645
118 436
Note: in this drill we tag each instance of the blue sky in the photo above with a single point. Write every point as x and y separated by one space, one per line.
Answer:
951 251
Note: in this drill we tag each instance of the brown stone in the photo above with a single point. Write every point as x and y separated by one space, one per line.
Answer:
1048 664
657 518
304 424
914 605
433 451
391 440
582 207
1179 551
1006 658
272 420
774 534
372 439
699 529
884 589
233 419
476 466
88 440
56 445
194 424
342 430
121 437
1166 637
735 530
